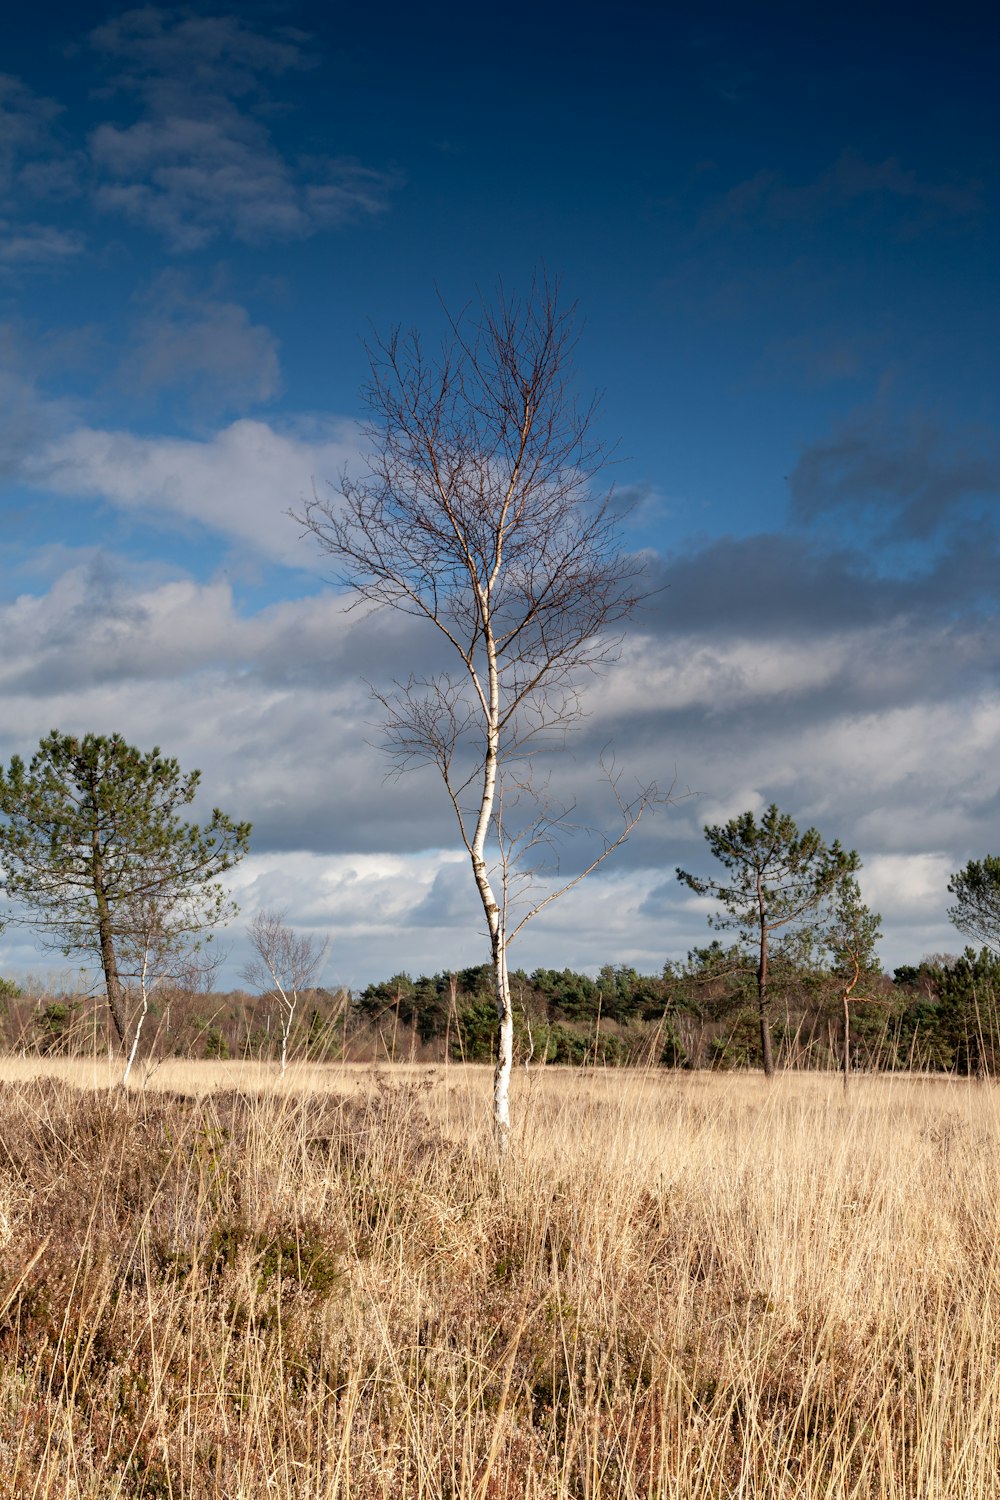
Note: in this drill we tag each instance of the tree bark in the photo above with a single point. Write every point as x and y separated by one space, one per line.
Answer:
767 1051
495 916
505 1049
763 1003
135 1038
109 962
505 1010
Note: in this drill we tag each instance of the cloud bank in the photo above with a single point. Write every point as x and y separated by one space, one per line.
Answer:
873 715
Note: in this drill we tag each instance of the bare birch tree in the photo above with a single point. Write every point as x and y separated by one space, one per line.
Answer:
159 942
148 945
286 963
478 517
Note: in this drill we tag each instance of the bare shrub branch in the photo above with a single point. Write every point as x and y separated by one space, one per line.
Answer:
286 963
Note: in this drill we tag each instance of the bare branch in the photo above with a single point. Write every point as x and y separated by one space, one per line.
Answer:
286 963
631 811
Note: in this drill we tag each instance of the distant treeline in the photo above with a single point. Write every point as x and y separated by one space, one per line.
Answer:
942 1014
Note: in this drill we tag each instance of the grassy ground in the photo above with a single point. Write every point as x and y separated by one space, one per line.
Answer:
680 1286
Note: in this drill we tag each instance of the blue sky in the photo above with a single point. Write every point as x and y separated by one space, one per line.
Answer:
781 232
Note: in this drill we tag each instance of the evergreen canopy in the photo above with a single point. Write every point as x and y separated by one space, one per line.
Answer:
92 832
977 900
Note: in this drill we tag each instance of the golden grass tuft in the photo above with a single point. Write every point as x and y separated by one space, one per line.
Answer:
680 1286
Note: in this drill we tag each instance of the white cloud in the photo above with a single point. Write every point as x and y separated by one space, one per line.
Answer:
369 894
877 661
687 673
85 630
712 811
373 906
239 483
913 886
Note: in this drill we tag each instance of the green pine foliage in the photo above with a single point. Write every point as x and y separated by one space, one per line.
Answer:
976 889
776 886
96 853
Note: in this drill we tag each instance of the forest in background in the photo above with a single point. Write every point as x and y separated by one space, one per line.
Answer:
941 1015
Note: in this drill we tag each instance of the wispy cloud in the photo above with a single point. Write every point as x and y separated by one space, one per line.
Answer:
164 53
187 146
28 421
201 160
822 357
201 344
36 167
852 180
26 124
28 246
912 475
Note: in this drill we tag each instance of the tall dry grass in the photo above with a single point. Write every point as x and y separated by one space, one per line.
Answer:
680 1286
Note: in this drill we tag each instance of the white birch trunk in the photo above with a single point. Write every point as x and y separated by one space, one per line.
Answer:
144 1008
505 1011
286 1030
494 914
135 1042
505 1048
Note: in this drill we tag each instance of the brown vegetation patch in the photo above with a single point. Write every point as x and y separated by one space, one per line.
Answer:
694 1287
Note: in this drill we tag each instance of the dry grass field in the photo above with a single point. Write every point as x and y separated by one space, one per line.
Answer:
679 1286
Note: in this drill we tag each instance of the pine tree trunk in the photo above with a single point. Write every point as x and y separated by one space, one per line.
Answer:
767 1052
113 984
109 963
763 1004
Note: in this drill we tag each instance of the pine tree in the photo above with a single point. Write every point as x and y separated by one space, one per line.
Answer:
92 832
779 880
